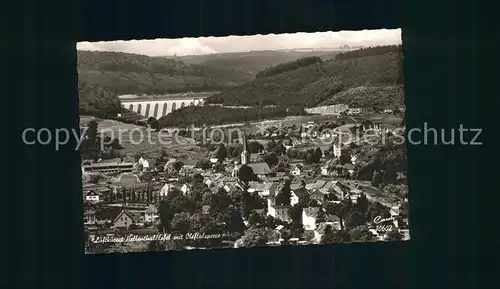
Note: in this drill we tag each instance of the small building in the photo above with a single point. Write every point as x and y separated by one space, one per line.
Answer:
318 196
354 111
151 214
316 185
185 189
93 196
296 170
108 167
349 168
279 212
309 216
166 189
205 209
260 169
298 194
89 217
125 219
264 189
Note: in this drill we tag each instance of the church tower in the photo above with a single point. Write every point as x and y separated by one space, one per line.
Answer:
245 153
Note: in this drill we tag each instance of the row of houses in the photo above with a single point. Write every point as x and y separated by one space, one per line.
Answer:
120 217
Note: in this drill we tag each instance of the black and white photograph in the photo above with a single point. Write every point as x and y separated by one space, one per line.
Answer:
243 141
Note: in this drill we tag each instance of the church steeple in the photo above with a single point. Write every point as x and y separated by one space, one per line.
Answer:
245 153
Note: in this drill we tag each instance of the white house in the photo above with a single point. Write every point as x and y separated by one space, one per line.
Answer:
337 150
185 189
309 217
93 196
151 214
144 163
214 160
296 171
265 189
297 194
165 189
354 111
126 219
277 211
208 182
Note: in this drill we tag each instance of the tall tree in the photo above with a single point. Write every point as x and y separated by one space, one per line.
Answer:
295 213
255 237
92 130
361 234
341 236
285 194
221 153
246 174
362 204
355 219
317 155
393 235
328 235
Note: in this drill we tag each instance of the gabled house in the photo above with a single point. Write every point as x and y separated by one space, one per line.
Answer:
298 194
326 169
316 185
309 216
205 209
296 170
314 217
334 221
89 217
260 169
125 219
279 212
354 194
151 214
265 189
275 210
319 231
318 196
166 189
341 189
349 169
93 196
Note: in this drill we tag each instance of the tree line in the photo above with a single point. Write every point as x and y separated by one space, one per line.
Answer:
287 66
312 84
216 115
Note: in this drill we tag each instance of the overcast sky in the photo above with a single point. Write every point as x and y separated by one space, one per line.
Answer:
208 45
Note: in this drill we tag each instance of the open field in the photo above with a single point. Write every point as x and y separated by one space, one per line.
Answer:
131 136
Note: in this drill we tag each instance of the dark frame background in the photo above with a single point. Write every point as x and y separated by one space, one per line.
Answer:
45 239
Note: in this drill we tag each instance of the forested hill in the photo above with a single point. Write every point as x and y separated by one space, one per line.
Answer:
375 68
288 66
105 75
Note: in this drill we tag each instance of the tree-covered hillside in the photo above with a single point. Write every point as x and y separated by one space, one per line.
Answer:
288 66
105 75
254 61
318 82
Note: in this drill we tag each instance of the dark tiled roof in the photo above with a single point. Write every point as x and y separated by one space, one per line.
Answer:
260 168
301 192
312 211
